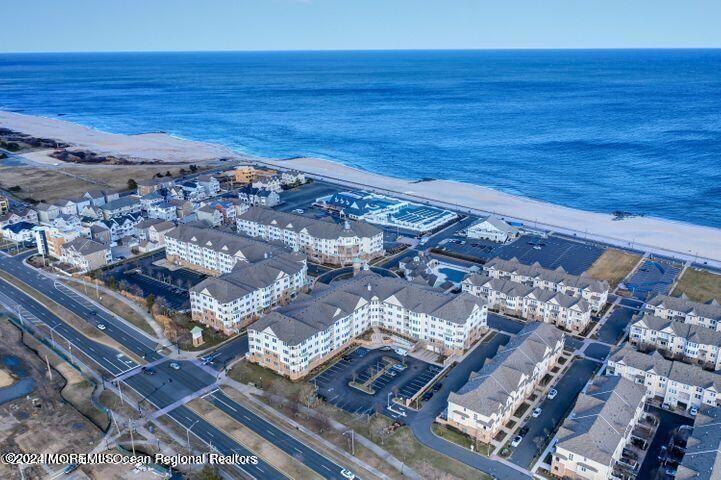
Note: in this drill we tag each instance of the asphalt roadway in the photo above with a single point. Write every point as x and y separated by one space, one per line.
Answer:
167 388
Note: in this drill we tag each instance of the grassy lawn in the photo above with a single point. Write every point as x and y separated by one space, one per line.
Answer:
699 285
613 266
459 438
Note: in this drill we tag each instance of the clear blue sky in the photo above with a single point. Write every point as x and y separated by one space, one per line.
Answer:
111 25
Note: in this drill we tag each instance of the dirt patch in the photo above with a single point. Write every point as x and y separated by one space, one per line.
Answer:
613 266
5 378
699 285
42 421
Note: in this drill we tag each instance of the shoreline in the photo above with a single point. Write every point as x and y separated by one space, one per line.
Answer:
666 237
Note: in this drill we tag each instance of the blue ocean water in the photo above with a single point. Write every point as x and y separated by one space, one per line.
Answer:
598 130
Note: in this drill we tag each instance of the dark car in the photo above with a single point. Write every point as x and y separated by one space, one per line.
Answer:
148 371
523 430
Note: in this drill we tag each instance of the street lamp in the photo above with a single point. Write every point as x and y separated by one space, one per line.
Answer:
187 434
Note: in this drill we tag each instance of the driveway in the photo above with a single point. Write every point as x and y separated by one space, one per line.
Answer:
540 429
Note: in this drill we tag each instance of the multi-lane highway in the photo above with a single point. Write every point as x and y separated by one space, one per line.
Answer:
167 389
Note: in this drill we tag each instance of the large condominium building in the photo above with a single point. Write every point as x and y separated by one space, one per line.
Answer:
487 401
595 292
592 438
214 252
702 460
684 310
232 300
297 338
531 303
676 384
690 343
323 241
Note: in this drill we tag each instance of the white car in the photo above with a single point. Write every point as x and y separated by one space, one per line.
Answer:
101 326
175 365
299 211
347 474
516 441
693 411
552 393
536 412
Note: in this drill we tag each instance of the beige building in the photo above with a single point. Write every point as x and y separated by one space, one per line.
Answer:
681 309
4 205
323 241
231 301
487 401
675 384
595 292
245 174
592 438
85 255
529 302
294 340
683 341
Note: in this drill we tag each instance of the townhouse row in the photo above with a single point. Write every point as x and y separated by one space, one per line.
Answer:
295 339
487 401
529 302
681 309
323 241
593 291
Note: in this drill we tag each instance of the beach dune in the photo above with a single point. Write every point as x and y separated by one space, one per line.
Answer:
677 239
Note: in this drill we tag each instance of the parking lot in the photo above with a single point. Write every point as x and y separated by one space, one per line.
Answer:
653 277
146 278
361 365
552 252
304 196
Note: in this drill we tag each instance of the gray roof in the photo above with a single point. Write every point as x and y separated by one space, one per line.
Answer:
501 225
600 418
84 246
228 243
148 222
246 278
310 314
702 459
121 202
676 371
515 289
693 333
684 305
323 228
488 391
559 275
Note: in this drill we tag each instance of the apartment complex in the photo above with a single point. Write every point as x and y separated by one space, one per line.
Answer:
702 460
231 301
85 255
684 310
676 384
687 342
492 228
322 241
529 302
595 292
487 401
295 339
592 438
214 252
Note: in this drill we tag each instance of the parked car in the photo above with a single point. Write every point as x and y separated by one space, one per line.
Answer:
693 411
299 211
347 474
536 412
148 370
552 393
523 430
516 441
175 365
101 326
71 468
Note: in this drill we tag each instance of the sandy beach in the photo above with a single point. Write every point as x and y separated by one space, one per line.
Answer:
678 239
146 147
